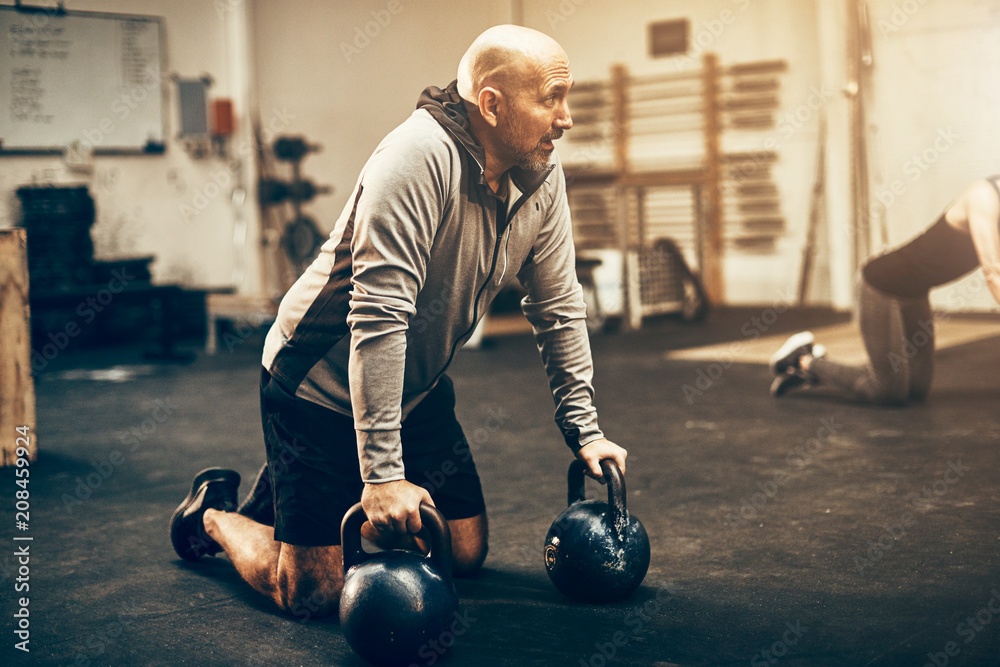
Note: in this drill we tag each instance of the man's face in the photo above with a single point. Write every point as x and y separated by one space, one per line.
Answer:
537 114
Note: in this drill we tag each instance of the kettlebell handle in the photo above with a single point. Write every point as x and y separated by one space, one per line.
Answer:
434 524
576 477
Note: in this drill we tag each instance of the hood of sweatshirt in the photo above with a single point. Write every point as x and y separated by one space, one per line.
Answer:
448 109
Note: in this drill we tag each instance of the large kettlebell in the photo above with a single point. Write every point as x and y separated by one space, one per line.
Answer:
595 551
395 602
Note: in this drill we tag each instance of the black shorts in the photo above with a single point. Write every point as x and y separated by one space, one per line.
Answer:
312 456
938 256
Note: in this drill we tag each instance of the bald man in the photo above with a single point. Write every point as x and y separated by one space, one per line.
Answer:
463 197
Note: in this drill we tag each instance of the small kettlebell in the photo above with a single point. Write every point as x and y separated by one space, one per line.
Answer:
595 551
394 602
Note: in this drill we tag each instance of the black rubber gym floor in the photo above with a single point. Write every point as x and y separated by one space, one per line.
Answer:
802 531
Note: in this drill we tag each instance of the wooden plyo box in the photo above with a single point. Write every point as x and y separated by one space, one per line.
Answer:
17 388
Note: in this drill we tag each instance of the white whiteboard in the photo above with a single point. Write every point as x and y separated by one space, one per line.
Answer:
80 79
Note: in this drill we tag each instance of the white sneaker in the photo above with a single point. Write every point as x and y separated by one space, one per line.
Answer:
788 354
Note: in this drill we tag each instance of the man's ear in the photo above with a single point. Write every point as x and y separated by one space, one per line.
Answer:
490 100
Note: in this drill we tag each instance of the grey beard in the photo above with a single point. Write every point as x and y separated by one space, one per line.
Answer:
533 161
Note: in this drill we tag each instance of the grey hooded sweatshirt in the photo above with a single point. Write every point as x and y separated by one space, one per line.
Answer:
411 266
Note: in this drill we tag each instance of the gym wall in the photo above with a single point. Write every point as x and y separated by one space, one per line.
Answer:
343 74
173 206
346 73
933 120
598 33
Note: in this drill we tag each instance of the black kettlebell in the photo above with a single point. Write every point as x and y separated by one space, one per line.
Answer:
595 551
394 602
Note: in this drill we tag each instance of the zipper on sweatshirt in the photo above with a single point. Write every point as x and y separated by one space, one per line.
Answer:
502 240
508 225
489 276
506 247
475 303
508 218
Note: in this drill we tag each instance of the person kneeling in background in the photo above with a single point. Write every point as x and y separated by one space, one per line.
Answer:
894 312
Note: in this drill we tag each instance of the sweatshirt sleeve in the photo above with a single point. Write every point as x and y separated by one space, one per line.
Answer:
397 213
554 305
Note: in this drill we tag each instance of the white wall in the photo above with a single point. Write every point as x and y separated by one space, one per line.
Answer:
836 213
934 118
170 205
597 33
342 74
345 74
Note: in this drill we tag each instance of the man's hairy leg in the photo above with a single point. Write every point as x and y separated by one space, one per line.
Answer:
295 578
469 542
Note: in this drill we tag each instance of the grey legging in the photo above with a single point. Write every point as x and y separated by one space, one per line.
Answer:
898 334
895 318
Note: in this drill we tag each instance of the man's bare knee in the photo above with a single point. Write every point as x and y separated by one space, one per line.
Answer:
308 580
469 562
469 544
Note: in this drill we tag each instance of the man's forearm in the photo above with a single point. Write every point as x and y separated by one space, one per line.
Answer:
376 379
565 353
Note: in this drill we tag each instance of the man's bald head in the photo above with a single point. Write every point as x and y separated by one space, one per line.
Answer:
504 57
